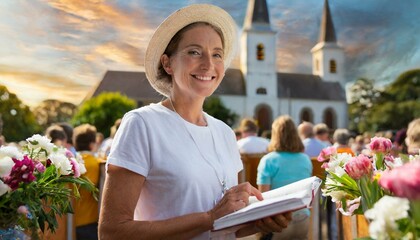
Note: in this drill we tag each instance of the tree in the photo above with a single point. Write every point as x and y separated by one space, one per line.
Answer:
215 107
54 111
102 110
363 96
398 103
18 121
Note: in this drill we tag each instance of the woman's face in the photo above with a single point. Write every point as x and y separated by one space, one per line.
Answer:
197 66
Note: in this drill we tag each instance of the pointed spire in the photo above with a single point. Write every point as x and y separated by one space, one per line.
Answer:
257 16
327 33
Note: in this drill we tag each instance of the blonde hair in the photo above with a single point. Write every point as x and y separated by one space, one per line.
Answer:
413 134
284 136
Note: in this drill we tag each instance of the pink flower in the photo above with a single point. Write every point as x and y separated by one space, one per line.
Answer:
358 167
22 171
380 145
75 167
403 181
326 154
40 167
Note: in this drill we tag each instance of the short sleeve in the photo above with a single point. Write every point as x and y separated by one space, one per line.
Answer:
264 172
130 148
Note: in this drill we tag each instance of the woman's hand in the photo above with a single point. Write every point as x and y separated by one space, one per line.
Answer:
274 223
234 199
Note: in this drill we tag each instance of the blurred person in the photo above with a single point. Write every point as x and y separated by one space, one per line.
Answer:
399 145
86 213
105 147
68 129
322 133
341 139
413 137
250 143
312 145
173 169
57 135
284 164
358 146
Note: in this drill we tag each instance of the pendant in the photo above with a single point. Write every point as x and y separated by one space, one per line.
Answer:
224 187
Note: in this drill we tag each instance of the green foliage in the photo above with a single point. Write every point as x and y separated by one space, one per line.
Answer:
215 107
390 109
102 111
18 122
53 111
363 96
398 103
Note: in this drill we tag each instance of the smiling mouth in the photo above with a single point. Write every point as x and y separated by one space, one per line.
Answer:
204 78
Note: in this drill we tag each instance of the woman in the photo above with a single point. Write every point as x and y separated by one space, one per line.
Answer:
286 163
173 168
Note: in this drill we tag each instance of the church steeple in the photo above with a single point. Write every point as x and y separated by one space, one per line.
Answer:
327 32
327 54
257 16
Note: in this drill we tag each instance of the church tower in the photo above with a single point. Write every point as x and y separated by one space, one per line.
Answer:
327 55
258 60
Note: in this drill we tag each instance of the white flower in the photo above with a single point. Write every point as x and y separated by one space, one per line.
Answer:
384 214
61 162
82 167
335 165
10 151
38 142
6 165
4 188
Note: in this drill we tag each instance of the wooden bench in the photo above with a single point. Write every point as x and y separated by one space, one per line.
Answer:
249 173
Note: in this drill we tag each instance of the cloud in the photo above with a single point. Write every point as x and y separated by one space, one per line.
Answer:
32 85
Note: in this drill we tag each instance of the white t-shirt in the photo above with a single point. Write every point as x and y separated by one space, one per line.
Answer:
157 143
253 144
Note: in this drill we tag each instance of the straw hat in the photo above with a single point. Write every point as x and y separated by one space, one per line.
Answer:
211 14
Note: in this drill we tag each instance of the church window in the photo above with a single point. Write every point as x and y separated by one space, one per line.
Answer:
333 66
260 52
317 65
306 115
261 91
330 118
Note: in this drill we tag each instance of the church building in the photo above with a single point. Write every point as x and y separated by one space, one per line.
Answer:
257 90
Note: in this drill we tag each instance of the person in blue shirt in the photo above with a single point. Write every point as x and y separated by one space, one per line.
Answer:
284 164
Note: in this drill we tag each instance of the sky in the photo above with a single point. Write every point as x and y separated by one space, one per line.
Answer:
61 49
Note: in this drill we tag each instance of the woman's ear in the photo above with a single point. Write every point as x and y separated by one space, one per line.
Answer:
166 64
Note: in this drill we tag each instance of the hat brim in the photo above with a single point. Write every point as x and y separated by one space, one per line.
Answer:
211 14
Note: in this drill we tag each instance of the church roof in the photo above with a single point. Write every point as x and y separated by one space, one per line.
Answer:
294 85
308 86
233 83
327 32
257 16
132 84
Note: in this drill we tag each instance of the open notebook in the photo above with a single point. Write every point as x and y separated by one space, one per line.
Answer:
291 197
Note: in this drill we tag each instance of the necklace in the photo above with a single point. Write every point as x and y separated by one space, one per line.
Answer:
221 181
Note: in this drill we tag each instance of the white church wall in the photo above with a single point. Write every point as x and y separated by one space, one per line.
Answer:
294 107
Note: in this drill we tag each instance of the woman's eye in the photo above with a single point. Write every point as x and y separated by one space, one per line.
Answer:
218 55
193 52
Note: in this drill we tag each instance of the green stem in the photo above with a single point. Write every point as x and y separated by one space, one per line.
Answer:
379 161
367 200
415 211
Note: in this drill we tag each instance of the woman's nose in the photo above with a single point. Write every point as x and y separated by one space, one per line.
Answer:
206 61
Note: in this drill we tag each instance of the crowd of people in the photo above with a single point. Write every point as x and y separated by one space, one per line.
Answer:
172 169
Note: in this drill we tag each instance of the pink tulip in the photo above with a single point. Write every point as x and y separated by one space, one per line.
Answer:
75 167
403 181
358 167
326 154
380 145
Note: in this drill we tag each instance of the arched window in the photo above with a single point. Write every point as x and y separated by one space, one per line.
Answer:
330 118
263 115
306 115
260 52
261 91
333 66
